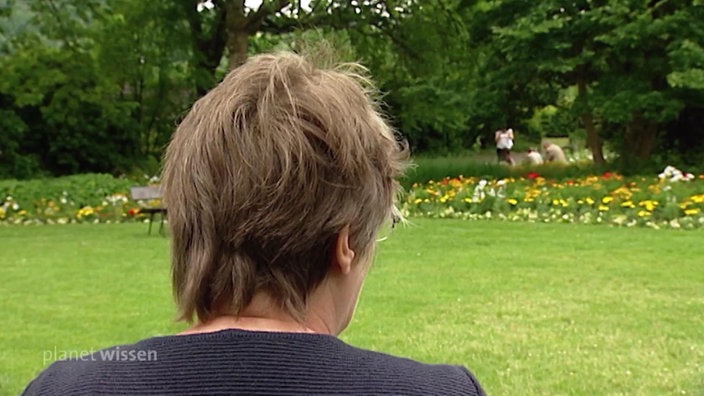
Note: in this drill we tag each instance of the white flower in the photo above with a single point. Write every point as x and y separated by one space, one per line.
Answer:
673 175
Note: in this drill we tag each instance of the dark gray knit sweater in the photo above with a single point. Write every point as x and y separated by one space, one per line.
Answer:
238 362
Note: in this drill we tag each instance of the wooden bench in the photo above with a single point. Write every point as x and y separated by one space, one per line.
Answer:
145 197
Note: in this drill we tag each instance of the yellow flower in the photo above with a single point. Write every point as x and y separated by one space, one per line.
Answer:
512 201
603 208
589 200
2 213
649 204
691 212
697 198
22 212
417 201
623 192
85 211
628 204
607 199
643 213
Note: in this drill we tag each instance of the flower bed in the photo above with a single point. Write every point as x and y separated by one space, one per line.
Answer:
91 198
673 199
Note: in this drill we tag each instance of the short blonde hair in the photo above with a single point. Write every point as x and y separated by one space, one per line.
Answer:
262 174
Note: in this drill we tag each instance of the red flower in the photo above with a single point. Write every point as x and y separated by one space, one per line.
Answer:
532 175
607 175
133 212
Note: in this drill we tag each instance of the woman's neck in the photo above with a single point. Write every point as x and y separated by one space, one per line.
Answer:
248 323
262 314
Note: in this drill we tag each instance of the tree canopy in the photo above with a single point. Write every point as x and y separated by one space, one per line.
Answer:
98 85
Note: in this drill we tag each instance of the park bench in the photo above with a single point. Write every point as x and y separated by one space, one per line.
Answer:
149 200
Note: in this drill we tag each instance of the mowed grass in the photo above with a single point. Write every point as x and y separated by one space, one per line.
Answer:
531 309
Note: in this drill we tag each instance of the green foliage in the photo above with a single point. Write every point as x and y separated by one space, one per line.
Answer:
96 86
618 54
427 89
437 168
687 58
93 88
73 129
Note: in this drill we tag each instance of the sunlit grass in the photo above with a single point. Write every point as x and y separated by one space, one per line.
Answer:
531 309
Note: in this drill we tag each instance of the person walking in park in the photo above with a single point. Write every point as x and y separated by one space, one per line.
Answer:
504 143
554 153
279 184
533 157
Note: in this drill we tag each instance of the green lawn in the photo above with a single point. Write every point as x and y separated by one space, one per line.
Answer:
531 309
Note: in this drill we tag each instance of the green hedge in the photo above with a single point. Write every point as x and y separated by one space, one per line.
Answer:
438 168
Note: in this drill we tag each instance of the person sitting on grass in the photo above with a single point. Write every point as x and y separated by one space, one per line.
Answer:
554 153
533 157
278 183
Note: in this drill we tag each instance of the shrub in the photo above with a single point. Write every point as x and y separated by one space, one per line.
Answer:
438 168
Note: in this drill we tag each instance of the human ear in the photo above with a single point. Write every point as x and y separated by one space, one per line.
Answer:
343 253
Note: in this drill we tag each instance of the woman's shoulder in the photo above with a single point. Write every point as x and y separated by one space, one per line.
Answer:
425 378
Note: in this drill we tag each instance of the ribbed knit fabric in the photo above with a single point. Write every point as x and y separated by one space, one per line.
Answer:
238 362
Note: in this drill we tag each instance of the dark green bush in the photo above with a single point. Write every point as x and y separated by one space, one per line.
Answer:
437 168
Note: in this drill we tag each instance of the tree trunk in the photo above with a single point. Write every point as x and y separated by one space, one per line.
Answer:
207 48
237 33
594 141
237 45
639 140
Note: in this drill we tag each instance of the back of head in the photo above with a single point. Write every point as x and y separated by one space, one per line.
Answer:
262 174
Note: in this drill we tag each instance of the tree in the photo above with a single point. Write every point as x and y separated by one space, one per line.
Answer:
619 55
64 116
220 27
426 90
91 87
